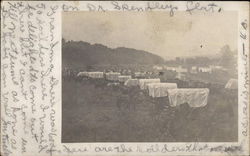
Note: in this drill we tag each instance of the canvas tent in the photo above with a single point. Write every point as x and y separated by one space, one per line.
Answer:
232 84
143 82
160 89
124 78
132 82
195 97
95 74
113 76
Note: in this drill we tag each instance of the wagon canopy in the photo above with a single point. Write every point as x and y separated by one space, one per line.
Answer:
95 74
160 89
232 84
113 76
124 78
143 82
132 82
195 97
139 74
113 84
81 74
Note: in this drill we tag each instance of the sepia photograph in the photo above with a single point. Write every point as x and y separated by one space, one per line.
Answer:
124 78
149 77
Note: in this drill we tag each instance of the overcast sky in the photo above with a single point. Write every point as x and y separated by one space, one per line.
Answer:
155 32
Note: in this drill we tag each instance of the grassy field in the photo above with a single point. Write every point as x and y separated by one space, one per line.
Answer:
95 112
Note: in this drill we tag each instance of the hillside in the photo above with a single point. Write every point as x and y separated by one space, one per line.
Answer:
79 54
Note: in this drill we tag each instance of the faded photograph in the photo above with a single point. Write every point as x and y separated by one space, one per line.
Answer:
149 77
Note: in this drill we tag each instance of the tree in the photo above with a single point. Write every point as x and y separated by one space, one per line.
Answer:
63 41
227 59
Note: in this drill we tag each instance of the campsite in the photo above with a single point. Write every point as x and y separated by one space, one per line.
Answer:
105 109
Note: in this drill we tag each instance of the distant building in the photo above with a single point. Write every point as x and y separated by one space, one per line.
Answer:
194 69
205 70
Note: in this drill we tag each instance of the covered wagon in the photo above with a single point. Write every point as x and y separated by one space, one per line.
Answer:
160 89
132 82
195 97
143 82
82 74
124 78
232 84
113 76
95 75
139 75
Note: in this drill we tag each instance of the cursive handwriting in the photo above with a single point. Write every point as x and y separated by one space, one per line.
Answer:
121 6
197 6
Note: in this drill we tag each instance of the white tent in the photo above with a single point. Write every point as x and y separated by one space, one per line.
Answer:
81 74
95 74
124 78
160 89
195 97
132 82
113 76
143 82
232 84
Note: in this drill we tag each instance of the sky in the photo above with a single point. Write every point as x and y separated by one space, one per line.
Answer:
182 35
